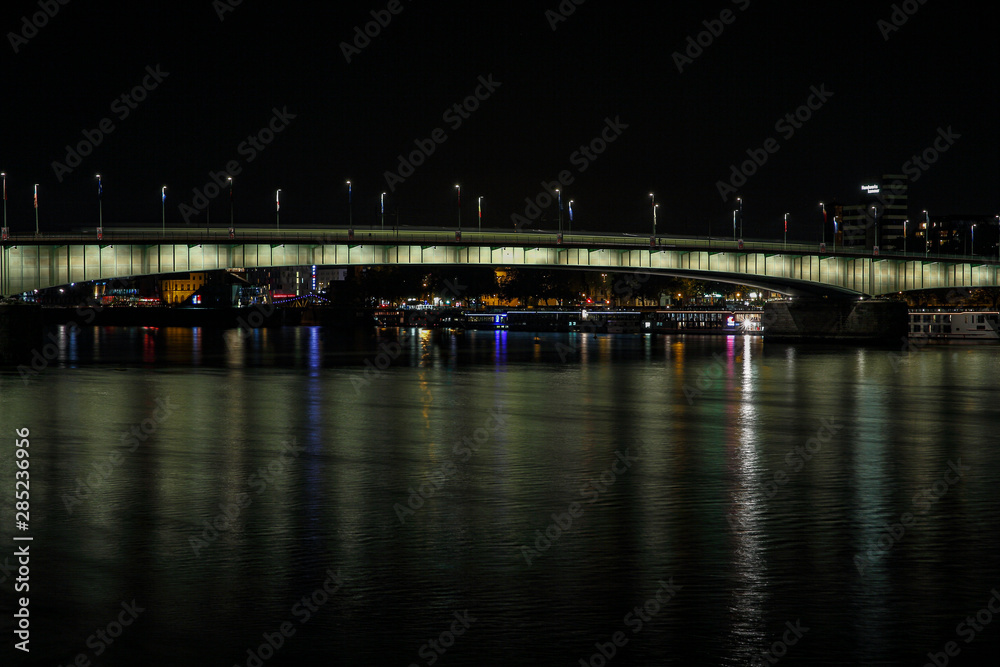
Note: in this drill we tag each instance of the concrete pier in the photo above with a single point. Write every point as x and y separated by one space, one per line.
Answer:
840 320
20 332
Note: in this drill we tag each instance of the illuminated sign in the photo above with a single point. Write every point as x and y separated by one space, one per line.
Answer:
871 189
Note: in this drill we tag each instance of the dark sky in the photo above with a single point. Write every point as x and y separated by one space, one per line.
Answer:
557 87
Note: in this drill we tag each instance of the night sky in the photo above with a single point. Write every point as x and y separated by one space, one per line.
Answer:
557 89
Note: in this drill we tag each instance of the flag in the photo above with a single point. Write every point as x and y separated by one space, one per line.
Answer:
36 196
163 194
100 189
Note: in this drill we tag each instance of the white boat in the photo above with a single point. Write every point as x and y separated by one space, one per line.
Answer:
955 325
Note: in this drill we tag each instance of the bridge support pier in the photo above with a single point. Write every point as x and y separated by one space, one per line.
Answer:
20 333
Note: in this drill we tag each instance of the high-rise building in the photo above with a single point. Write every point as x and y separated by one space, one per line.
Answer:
883 210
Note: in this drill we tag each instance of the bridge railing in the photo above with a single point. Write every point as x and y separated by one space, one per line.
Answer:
525 239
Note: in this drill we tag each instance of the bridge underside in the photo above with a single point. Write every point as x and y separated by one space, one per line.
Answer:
28 267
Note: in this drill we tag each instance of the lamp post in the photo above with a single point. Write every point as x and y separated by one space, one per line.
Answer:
905 222
459 188
231 202
350 207
786 231
739 200
927 232
36 209
823 206
734 224
652 203
570 215
4 175
277 209
480 203
835 233
163 207
100 202
875 216
559 198
382 204
973 240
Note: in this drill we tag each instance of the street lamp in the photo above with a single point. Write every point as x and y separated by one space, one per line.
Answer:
480 202
230 202
875 216
927 232
734 224
739 200
823 206
4 175
559 197
100 203
652 203
36 209
459 188
904 235
571 215
163 207
786 230
382 202
350 207
277 209
973 240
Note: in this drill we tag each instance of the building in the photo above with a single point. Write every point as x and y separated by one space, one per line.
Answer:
180 287
961 234
296 280
882 210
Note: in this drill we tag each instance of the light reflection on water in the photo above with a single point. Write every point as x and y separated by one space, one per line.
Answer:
717 419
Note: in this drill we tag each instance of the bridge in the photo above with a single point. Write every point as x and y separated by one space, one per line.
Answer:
30 262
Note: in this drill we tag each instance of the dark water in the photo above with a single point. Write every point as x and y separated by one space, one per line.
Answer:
676 466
